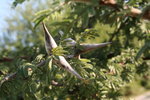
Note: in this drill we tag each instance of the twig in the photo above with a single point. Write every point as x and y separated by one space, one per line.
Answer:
13 75
8 77
54 83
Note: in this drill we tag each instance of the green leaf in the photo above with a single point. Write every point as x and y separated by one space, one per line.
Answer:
41 15
58 51
16 2
85 60
143 49
50 64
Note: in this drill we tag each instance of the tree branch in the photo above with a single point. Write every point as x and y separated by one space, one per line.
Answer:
133 12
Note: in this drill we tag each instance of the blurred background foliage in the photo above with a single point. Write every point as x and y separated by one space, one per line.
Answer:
113 72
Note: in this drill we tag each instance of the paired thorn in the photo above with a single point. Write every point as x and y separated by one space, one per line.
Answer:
83 48
89 47
49 41
49 45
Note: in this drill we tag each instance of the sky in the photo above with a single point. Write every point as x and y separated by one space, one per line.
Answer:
5 11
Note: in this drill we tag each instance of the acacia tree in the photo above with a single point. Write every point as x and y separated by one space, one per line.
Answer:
98 74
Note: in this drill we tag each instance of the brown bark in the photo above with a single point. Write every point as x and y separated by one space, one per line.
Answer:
7 59
146 14
112 3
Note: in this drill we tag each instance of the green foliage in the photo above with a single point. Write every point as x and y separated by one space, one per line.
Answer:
58 51
26 70
16 2
107 71
143 49
87 35
40 16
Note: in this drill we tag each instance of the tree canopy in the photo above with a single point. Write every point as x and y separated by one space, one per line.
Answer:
85 50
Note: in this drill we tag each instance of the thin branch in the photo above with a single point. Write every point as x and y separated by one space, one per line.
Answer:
7 59
54 83
13 75
8 77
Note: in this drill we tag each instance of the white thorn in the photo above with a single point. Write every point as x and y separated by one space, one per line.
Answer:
50 44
